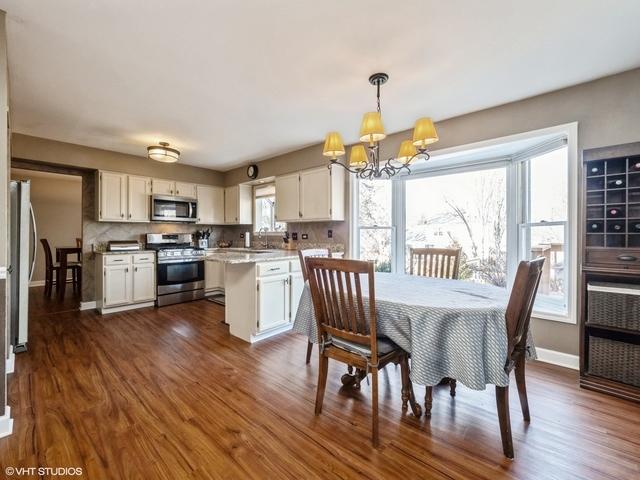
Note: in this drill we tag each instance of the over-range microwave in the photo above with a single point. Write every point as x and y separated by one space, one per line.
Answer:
167 208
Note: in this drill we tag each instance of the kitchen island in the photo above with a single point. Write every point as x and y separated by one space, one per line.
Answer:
262 290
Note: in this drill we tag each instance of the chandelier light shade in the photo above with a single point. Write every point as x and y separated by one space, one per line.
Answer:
407 152
371 129
358 157
364 159
424 133
333 145
163 153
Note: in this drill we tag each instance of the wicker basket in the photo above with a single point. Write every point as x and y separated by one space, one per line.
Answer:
614 305
614 360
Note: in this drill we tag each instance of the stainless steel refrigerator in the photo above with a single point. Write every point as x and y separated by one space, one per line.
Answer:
23 247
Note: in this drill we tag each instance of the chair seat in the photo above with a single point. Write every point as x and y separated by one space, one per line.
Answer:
69 265
384 346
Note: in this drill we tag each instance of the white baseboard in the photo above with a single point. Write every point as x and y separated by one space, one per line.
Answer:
558 358
10 363
88 305
6 422
36 283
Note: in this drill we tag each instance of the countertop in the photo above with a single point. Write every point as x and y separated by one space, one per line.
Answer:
232 255
129 252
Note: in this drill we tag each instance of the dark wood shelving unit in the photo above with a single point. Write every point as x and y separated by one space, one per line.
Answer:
609 333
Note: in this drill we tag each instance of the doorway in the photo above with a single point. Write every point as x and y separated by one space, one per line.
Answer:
56 200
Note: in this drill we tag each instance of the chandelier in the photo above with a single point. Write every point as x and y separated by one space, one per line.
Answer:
365 162
163 153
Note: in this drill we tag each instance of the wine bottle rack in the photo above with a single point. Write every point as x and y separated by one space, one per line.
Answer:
613 203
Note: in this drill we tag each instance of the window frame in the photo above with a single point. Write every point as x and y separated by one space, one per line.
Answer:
256 230
562 135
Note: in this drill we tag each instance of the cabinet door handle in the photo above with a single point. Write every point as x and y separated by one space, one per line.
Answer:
122 215
627 258
126 270
300 214
117 260
135 269
129 215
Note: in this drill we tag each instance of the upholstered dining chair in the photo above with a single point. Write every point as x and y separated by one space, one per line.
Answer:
517 317
52 267
303 254
348 331
435 262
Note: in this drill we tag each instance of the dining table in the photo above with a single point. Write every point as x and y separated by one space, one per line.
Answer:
451 328
62 254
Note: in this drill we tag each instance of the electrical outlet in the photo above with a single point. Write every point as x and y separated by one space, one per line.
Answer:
330 233
294 236
305 236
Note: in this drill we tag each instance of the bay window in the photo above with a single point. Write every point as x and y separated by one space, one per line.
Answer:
499 205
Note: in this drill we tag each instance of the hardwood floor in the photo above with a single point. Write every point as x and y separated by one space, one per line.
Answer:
167 393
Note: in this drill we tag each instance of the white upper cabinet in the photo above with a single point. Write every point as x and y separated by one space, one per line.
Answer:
318 196
210 205
112 195
138 198
163 187
288 198
237 205
185 190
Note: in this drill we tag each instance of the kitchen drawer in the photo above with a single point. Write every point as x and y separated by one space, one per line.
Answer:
143 258
117 259
295 265
272 268
613 257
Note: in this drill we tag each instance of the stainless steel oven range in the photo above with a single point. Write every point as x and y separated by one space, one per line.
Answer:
179 269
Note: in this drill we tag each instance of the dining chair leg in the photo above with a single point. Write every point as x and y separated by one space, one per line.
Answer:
522 388
74 279
428 401
323 366
80 279
375 436
309 349
502 401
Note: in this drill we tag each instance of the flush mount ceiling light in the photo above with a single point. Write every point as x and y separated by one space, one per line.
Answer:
365 163
163 153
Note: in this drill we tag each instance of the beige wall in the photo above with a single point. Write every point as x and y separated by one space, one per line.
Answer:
57 206
608 112
71 155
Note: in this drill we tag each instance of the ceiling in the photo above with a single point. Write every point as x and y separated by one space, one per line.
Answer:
230 81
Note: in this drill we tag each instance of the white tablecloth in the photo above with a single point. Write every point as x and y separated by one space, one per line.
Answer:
451 328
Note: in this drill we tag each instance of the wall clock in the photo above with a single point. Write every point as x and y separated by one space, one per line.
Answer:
252 171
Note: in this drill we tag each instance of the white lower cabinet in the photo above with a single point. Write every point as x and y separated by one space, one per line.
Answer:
273 301
144 282
117 285
125 281
296 286
262 298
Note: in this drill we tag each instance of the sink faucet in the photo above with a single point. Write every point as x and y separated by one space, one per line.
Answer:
264 230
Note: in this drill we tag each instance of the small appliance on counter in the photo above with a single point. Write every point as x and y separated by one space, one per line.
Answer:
180 267
123 246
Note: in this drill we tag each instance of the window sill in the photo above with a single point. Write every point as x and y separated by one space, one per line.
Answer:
554 317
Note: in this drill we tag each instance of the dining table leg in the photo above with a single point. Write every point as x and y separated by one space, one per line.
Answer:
428 401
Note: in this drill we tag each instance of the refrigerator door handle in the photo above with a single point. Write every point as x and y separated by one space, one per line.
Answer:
35 240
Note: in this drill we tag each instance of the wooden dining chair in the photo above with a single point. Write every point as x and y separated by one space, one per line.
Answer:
303 254
435 262
52 267
348 331
517 317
